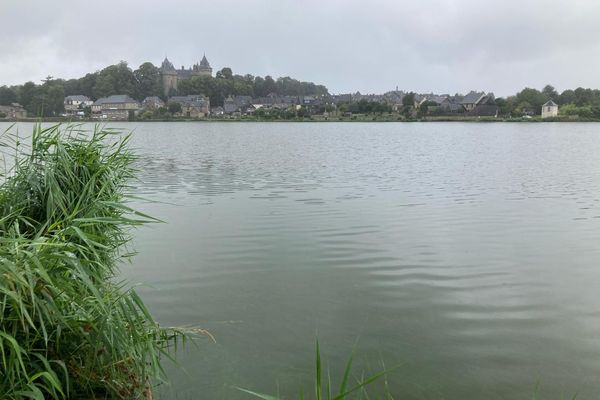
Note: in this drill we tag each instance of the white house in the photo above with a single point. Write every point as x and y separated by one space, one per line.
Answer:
550 109
75 104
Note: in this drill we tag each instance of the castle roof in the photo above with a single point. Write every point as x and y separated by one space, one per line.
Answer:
167 65
204 63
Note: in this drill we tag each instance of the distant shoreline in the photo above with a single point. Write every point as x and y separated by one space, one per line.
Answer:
361 118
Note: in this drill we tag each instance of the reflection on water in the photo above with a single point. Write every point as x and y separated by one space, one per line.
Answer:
468 253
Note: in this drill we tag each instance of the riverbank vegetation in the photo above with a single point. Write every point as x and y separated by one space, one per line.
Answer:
68 327
349 387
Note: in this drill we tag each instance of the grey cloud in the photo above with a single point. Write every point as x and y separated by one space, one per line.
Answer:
427 45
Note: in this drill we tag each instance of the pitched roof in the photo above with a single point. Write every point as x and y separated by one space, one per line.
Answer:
550 103
77 97
472 97
204 62
192 100
115 99
167 65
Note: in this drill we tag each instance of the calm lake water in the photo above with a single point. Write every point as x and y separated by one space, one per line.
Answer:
468 254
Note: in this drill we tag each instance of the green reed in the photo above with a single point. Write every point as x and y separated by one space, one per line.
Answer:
68 327
349 388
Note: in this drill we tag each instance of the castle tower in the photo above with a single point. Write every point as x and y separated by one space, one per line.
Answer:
169 76
204 67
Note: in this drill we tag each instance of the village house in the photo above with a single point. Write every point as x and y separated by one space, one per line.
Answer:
75 104
235 104
486 107
14 111
217 111
115 107
192 106
275 101
550 110
152 103
479 104
471 100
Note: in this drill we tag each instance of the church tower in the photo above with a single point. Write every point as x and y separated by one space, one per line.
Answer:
169 76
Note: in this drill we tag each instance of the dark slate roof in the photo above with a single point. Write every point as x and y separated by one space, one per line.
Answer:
77 97
204 63
115 99
242 100
153 99
550 103
472 97
167 65
190 100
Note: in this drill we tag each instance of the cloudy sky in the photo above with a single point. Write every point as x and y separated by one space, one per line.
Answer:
444 46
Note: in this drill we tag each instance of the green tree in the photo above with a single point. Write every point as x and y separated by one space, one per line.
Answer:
225 73
115 79
174 108
147 81
533 97
55 96
8 95
26 94
408 99
550 92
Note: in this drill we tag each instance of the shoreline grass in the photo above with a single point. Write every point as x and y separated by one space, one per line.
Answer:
68 327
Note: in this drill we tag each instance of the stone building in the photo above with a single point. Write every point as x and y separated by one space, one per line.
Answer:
550 109
14 111
192 106
171 76
115 107
152 103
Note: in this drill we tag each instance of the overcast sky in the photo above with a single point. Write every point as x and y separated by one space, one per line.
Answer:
443 46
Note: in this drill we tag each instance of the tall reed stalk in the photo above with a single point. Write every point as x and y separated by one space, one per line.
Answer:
69 328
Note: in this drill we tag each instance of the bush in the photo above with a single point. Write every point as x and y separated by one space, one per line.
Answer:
68 328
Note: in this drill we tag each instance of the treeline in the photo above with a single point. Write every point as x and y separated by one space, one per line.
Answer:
365 107
582 102
46 99
225 83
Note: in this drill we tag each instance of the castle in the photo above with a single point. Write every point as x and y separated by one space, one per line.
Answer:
171 76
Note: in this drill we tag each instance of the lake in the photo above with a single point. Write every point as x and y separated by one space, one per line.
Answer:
467 254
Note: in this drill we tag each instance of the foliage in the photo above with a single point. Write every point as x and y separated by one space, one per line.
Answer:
8 96
147 81
426 107
324 389
365 107
587 111
68 328
409 99
115 79
174 107
225 84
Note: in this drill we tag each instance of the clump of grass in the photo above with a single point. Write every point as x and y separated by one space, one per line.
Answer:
324 390
68 327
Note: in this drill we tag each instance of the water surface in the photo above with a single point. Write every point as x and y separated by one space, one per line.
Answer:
467 253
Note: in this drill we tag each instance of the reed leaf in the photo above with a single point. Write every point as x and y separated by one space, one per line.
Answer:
68 328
